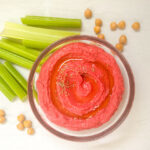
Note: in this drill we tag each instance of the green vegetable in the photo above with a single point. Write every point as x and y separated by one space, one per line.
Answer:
40 45
6 90
38 36
19 78
35 94
12 83
21 50
51 22
16 50
20 46
16 75
21 61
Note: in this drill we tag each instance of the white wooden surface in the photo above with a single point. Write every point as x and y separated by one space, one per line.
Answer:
134 133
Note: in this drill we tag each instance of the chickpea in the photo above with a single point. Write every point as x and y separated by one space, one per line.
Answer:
119 47
30 131
21 118
97 29
113 26
123 39
98 22
136 26
121 25
27 124
2 112
88 13
101 36
20 126
2 119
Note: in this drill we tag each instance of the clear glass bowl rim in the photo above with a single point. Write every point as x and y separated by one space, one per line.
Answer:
100 134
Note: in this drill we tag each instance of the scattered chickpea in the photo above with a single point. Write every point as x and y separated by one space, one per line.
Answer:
21 118
97 29
24 124
20 126
2 119
136 26
2 112
98 22
123 39
101 36
88 13
30 131
121 25
27 124
119 47
113 26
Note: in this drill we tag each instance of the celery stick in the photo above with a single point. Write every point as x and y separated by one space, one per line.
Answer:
21 61
11 48
31 50
6 90
12 83
19 78
16 75
35 95
20 50
51 22
40 35
35 44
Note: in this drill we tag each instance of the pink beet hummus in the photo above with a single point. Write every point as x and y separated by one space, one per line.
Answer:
80 86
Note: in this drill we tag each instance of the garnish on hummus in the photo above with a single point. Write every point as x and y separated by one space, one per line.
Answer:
80 86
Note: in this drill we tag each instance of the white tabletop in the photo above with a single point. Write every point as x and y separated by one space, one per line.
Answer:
134 133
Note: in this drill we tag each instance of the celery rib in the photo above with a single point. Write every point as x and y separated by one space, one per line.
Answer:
20 50
19 78
21 61
22 47
12 83
51 22
37 35
11 48
16 75
35 94
36 44
6 90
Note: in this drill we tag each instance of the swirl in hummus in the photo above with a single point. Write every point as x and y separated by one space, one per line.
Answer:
80 86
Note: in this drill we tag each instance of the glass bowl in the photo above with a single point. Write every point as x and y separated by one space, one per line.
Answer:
115 121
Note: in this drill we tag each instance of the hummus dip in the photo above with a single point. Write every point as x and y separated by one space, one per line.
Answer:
80 86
